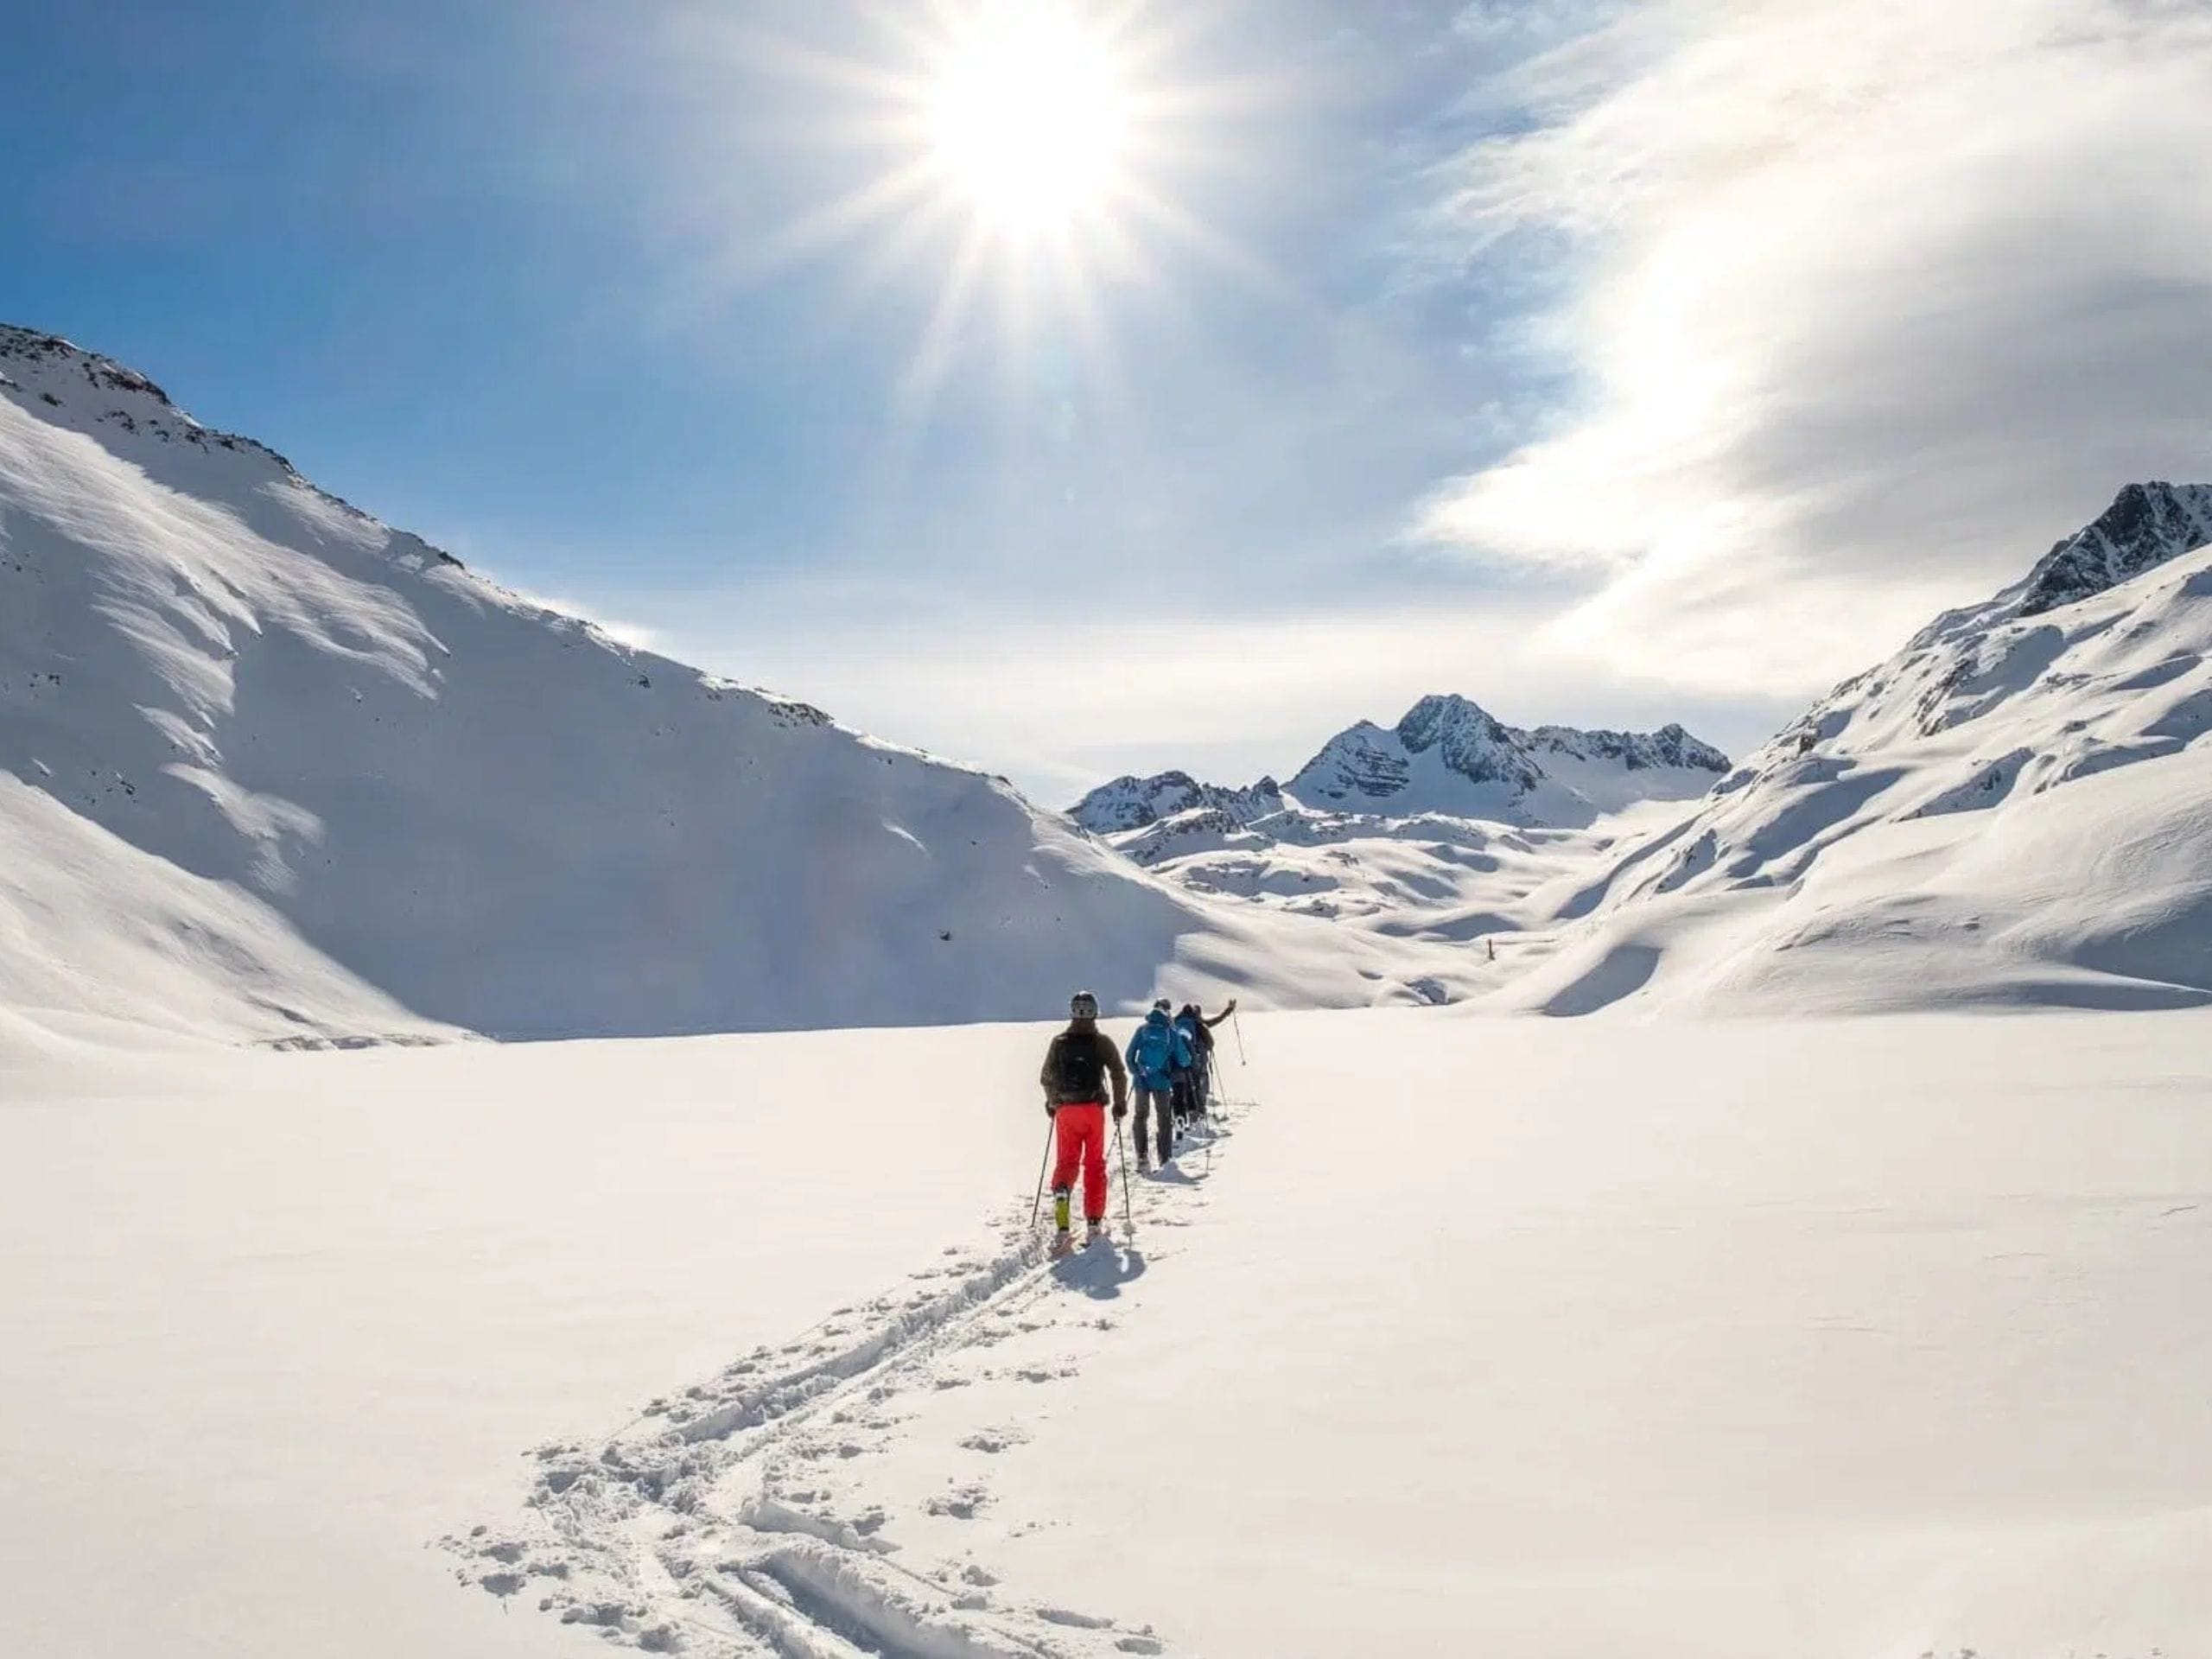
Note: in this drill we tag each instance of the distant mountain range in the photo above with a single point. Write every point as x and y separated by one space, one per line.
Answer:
273 770
1448 757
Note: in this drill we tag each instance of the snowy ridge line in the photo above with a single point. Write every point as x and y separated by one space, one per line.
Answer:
756 1523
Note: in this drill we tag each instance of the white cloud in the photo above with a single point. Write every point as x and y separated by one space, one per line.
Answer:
1881 298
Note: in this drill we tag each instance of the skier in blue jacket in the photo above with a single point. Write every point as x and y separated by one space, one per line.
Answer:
1156 1054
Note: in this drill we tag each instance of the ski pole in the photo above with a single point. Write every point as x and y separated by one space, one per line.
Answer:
1044 1164
1129 1220
1238 1025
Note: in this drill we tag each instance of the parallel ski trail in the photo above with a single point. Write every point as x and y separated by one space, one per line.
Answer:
741 1517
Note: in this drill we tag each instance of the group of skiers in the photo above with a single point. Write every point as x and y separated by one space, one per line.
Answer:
1170 1061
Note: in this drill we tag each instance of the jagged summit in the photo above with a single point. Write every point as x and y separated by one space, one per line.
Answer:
1670 745
1132 803
2146 525
1450 755
1447 756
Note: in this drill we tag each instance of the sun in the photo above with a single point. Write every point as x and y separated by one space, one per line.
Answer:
1037 161
1028 117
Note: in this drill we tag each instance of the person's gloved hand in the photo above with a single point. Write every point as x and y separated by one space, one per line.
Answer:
1120 1110
1052 1109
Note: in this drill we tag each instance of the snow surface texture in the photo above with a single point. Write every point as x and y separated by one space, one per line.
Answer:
1883 1338
271 770
2017 808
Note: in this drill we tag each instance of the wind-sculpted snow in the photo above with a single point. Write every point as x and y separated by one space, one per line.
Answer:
2017 807
361 792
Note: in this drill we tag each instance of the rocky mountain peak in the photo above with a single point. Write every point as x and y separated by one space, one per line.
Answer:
2145 525
27 354
1469 740
1133 803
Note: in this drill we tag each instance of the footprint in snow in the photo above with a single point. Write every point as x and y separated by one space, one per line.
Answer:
1073 1621
963 1503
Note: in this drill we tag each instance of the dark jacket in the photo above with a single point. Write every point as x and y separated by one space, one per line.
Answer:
1079 1066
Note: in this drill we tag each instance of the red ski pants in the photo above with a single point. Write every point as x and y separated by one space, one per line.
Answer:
1082 1132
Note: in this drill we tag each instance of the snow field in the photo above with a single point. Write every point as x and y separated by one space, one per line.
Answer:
1844 1338
1883 1337
276 1322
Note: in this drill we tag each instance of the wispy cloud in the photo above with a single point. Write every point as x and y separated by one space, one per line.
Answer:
1874 298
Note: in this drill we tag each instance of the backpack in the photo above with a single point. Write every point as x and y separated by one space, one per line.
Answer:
1076 1067
1155 1048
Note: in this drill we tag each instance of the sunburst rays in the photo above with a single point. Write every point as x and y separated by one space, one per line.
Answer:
1025 152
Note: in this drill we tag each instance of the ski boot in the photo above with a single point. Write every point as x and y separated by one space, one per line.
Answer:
1094 1233
1062 1241
1144 1163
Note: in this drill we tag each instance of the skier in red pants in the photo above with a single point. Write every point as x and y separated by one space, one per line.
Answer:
1078 1068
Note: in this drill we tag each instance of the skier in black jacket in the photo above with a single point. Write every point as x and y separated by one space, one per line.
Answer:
1079 1067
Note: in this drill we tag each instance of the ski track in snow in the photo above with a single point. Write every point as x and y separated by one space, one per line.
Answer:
736 1519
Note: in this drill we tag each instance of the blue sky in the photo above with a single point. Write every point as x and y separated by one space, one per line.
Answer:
516 276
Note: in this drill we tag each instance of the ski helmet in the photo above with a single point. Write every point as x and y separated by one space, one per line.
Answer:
1082 1005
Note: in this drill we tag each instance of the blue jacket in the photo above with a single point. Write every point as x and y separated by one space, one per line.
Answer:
1157 1053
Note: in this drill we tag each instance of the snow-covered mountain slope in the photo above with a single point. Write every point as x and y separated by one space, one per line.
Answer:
98 936
2017 807
1439 829
1447 758
342 786
1430 877
1132 803
1450 756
